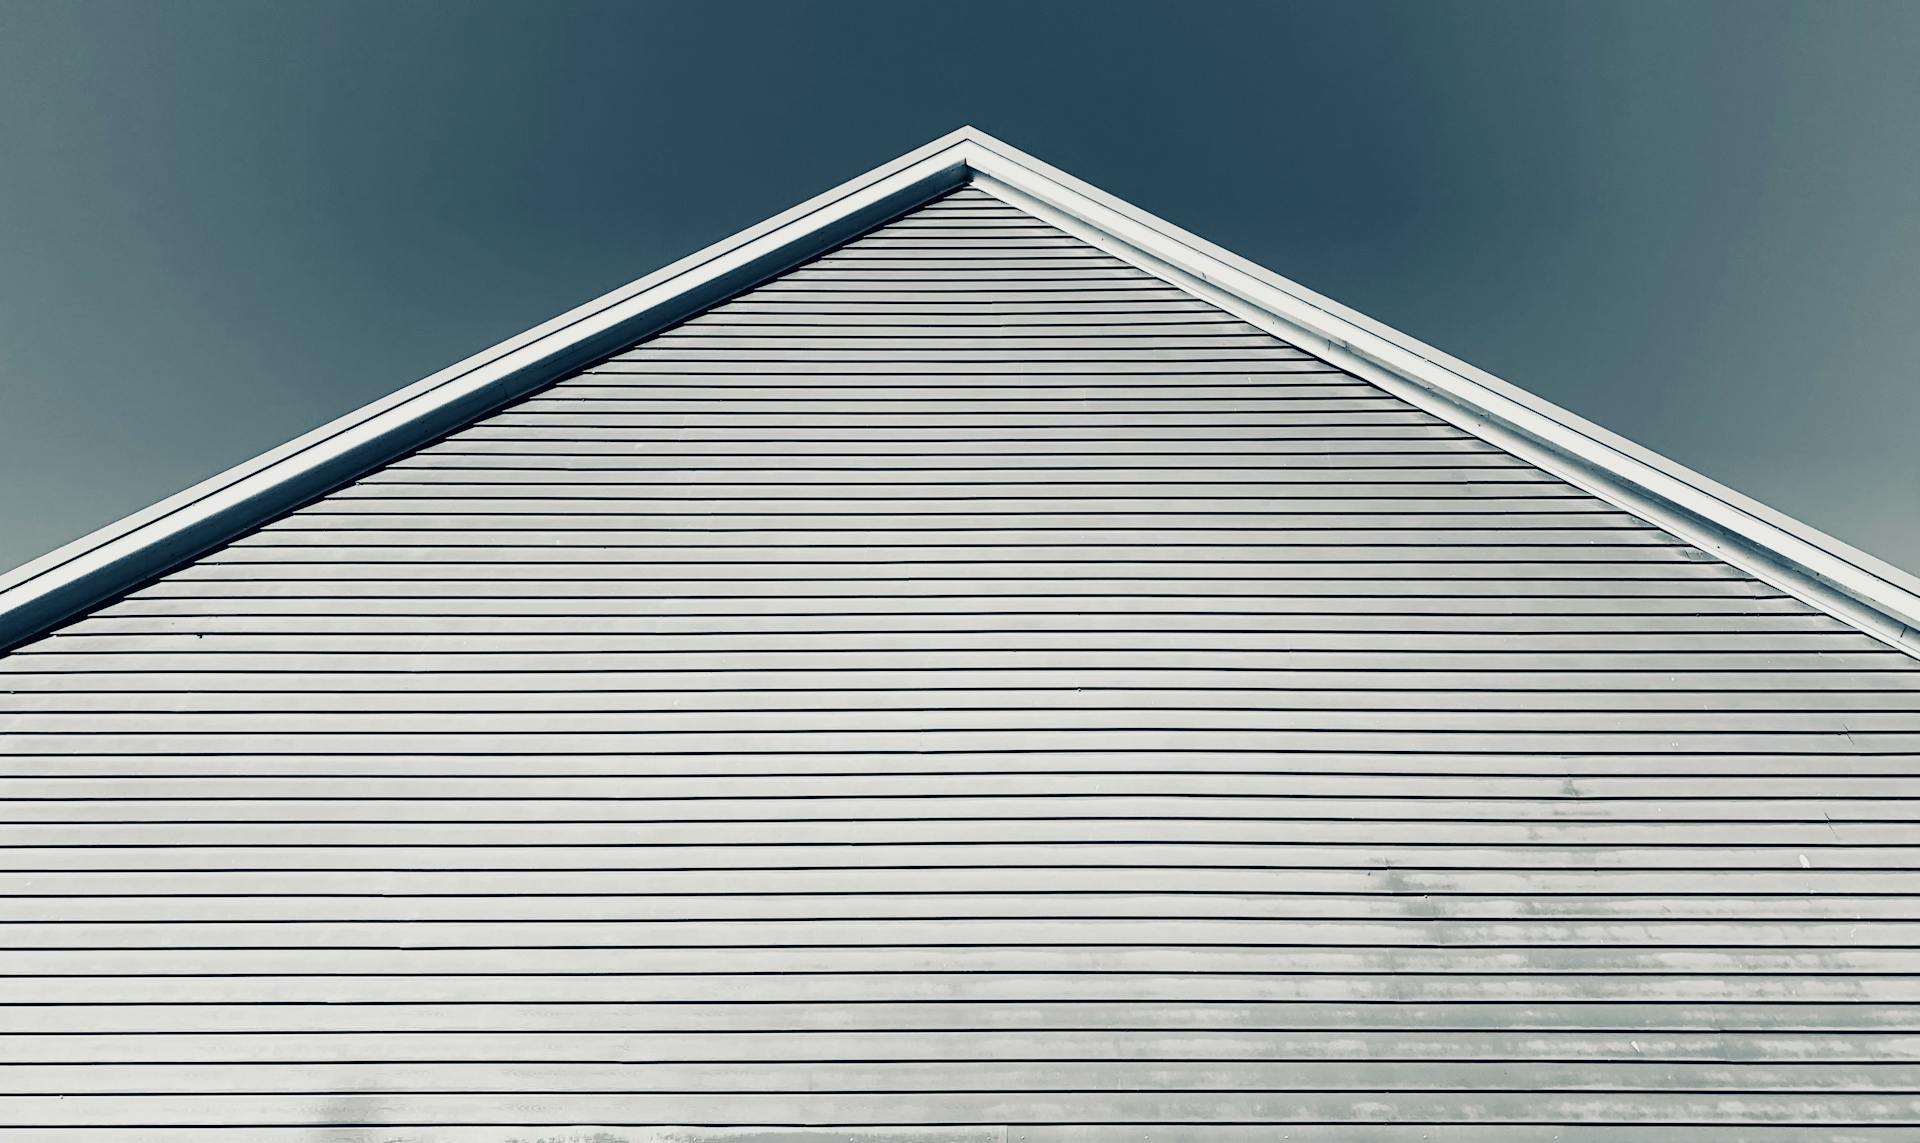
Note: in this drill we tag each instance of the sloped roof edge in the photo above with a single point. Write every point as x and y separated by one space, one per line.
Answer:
1833 576
48 591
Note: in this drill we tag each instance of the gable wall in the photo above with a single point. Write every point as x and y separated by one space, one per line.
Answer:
963 681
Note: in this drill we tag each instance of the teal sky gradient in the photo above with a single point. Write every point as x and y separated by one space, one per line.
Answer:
222 224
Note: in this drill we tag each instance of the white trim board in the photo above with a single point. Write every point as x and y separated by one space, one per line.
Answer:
1848 584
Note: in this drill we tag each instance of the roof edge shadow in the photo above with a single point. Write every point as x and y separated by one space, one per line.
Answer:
46 592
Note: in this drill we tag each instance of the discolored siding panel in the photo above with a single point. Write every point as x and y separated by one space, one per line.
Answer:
969 689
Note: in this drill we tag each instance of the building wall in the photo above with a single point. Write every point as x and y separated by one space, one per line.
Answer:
969 687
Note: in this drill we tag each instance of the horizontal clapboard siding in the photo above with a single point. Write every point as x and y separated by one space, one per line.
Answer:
963 690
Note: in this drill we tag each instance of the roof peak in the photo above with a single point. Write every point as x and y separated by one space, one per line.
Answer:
1798 559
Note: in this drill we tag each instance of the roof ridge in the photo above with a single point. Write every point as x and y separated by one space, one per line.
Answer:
1832 576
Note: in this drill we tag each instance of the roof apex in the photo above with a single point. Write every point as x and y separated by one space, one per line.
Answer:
1835 577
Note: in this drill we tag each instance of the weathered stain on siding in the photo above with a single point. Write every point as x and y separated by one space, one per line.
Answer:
969 688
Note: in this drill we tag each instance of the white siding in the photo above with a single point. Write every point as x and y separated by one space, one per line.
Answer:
964 681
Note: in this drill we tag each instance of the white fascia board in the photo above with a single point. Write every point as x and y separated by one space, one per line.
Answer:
1848 584
47 591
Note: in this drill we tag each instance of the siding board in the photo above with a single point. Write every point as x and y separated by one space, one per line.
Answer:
964 689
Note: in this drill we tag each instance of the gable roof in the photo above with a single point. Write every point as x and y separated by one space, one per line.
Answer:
1875 597
969 687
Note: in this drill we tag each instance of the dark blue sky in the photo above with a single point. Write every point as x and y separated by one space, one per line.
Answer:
224 223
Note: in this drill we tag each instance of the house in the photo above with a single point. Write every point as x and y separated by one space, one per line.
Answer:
961 661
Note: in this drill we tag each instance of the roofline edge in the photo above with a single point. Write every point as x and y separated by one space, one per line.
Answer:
1846 583
1853 586
45 592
